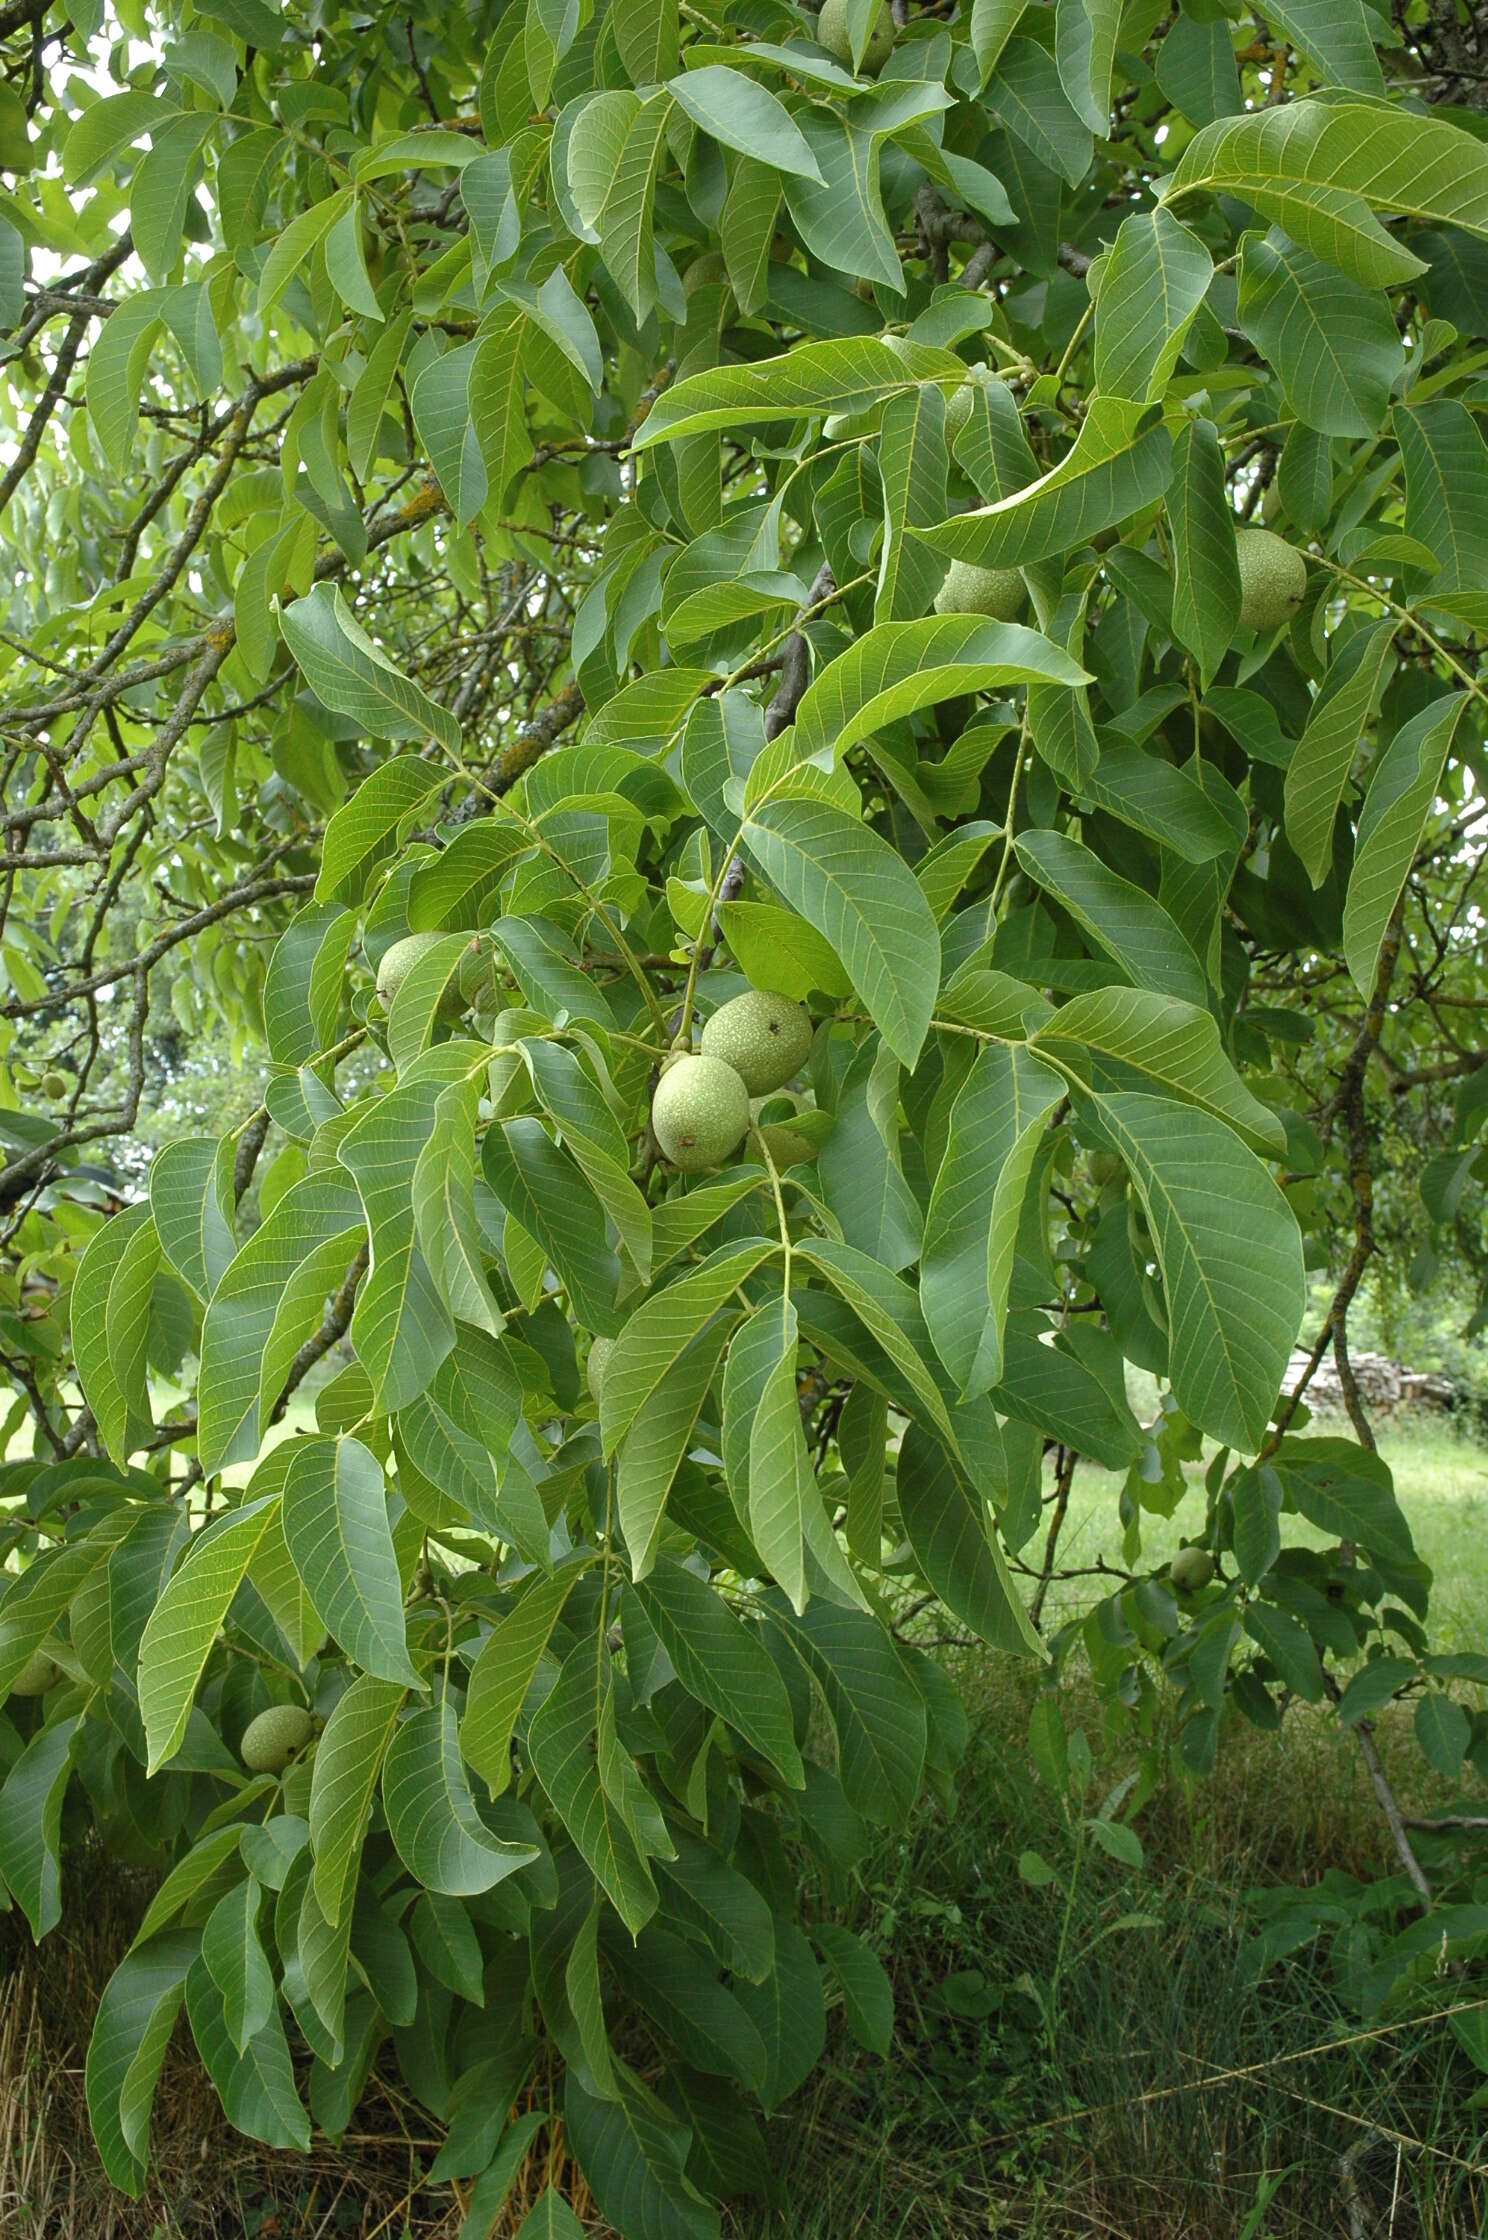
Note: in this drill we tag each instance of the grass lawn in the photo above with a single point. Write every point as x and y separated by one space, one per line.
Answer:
1178 2089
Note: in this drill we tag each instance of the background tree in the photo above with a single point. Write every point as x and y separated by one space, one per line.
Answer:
520 526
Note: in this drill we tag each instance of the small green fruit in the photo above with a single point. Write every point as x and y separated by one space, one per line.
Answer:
39 1673
786 1145
831 31
271 1740
1106 1167
1273 578
400 960
764 1037
968 589
600 1350
958 410
699 1112
54 1084
1191 1569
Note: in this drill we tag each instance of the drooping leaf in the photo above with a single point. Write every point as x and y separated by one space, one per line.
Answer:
1142 1040
110 1310
362 833
348 1761
631 2153
564 1748
1446 480
1085 40
898 668
440 404
720 1661
266 1304
1319 770
302 992
1335 37
862 897
403 1325
734 109
1117 465
1230 1255
659 1331
877 1712
1206 570
971 1228
1321 169
1151 284
336 1525
1117 916
436 1830
1334 344
867 1993
503 1672
348 671
1402 794
256 2086
131 2031
184 1623
955 1545
31 1824
815 377
236 1961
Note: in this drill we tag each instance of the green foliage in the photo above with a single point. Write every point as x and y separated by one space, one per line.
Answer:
512 550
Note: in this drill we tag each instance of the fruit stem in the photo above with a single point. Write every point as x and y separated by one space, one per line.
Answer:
757 1140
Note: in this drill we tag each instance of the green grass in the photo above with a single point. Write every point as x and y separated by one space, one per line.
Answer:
1177 2091
1180 2090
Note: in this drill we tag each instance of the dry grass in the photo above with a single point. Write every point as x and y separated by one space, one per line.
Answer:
207 2182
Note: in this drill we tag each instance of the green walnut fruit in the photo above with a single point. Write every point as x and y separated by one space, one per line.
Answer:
600 1350
699 1112
958 411
1273 578
968 589
271 1740
831 31
764 1037
786 1145
399 961
1106 1166
1191 1569
54 1084
39 1673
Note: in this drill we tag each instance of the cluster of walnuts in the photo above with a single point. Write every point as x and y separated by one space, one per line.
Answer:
750 1048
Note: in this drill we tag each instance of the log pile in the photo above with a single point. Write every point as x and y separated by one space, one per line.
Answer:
1384 1385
